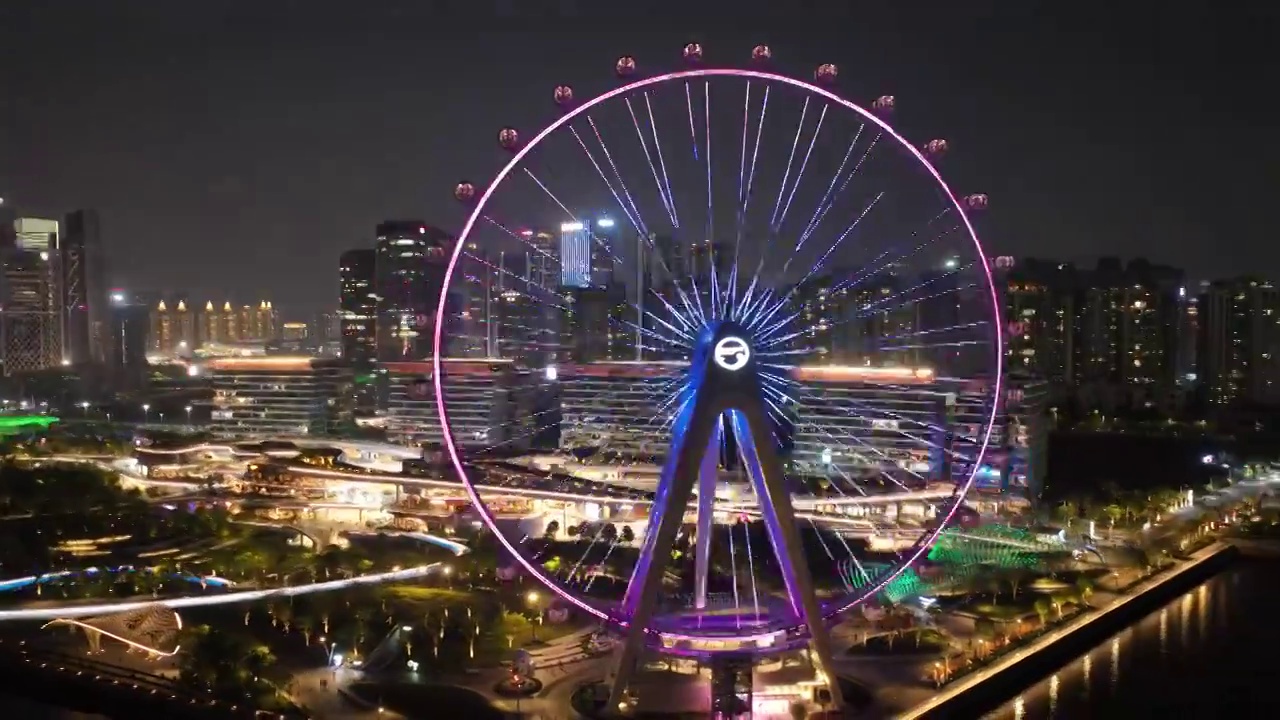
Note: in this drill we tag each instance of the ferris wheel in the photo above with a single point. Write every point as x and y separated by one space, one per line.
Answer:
748 347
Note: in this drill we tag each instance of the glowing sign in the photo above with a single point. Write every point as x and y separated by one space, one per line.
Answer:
731 353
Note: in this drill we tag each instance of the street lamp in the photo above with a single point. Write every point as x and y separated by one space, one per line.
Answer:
532 598
84 407
188 409
146 412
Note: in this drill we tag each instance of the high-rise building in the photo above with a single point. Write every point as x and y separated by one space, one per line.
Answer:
544 259
1239 353
358 310
605 248
84 292
358 306
594 327
31 324
410 265
161 336
1040 313
184 330
210 325
127 328
575 255
256 324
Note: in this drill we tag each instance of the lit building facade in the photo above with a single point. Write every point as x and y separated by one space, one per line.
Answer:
1238 356
908 424
31 310
84 290
411 258
268 396
852 421
128 325
575 255
358 323
594 326
617 406
490 404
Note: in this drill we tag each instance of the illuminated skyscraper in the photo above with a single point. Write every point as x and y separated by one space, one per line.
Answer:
575 255
84 292
409 272
358 307
31 301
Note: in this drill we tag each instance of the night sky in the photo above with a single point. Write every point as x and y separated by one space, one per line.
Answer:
234 149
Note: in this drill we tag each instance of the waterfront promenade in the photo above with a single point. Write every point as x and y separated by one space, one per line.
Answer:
936 704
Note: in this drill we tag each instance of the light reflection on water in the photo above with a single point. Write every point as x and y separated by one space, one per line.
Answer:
1204 671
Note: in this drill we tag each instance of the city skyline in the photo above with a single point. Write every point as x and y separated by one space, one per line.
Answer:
222 143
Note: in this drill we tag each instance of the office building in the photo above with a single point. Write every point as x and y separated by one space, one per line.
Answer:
84 292
278 396
128 321
31 324
358 306
575 255
490 404
410 263
594 325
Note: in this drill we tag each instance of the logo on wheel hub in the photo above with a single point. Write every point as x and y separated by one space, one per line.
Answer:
731 353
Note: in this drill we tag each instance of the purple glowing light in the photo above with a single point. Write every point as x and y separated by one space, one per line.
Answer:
519 154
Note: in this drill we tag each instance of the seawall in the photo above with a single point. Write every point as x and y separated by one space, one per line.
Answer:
981 691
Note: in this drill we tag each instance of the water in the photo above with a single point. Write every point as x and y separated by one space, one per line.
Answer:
1210 653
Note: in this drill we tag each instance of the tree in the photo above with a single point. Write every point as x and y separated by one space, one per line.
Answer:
1113 513
1042 609
1084 586
1067 511
609 533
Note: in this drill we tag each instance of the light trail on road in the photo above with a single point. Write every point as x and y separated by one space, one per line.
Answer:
75 611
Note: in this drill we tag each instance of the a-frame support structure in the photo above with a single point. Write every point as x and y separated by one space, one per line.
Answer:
724 387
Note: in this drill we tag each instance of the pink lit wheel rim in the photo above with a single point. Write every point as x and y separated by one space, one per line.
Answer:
888 369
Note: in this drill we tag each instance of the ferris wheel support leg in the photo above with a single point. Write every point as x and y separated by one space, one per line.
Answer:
706 515
675 489
750 428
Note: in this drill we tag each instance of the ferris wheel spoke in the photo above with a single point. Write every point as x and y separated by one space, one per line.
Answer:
706 90
782 188
662 163
755 152
821 263
523 239
608 156
782 218
831 189
879 305
693 133
550 194
635 221
852 173
875 266
653 169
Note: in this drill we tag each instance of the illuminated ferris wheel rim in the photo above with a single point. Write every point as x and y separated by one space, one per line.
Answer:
918 549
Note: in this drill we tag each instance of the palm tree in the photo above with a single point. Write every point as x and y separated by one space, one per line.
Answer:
1042 609
1113 512
306 625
